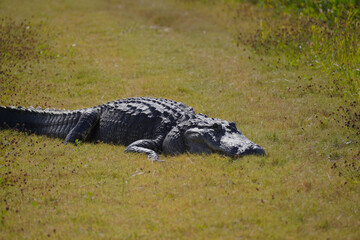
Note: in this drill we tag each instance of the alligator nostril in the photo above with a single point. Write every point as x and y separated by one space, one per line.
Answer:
258 150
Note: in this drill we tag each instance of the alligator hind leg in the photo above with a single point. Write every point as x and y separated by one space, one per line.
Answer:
82 129
147 146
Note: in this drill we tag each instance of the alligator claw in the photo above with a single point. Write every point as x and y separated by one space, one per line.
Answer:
154 158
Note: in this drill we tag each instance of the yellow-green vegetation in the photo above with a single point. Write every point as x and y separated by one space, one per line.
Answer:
321 35
74 54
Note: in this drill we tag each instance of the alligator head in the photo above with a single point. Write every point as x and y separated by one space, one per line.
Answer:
209 135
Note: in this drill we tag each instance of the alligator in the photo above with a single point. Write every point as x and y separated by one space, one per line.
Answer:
143 124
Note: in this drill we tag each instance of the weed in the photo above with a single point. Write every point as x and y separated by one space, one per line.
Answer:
78 142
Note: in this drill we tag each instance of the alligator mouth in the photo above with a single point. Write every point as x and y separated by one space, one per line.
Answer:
253 150
229 144
236 152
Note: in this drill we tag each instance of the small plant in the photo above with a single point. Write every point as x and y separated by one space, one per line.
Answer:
78 142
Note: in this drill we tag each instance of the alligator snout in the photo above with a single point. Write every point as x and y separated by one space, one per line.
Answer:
252 150
241 150
235 144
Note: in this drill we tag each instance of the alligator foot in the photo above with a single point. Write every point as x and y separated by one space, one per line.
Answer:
84 126
154 158
150 153
145 146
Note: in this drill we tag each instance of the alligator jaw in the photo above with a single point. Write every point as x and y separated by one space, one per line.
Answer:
230 143
235 145
249 149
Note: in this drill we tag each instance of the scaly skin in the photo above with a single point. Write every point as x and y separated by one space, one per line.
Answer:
144 125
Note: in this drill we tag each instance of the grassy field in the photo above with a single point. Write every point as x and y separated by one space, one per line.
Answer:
75 54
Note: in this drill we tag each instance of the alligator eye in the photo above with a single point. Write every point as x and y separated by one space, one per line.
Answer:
216 126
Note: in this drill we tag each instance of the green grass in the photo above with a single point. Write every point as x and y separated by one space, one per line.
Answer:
85 53
323 36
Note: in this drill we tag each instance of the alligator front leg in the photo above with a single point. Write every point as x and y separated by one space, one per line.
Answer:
147 146
82 129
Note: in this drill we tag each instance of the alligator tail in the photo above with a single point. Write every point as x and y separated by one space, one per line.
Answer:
54 123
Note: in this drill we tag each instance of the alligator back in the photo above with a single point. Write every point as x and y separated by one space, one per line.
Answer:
128 120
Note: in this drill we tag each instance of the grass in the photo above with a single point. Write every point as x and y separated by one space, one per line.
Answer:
322 36
308 35
85 53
